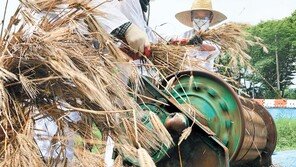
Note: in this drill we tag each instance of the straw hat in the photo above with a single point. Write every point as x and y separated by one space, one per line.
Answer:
185 16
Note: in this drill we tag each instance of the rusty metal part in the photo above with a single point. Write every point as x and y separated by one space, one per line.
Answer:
197 151
260 139
245 128
176 122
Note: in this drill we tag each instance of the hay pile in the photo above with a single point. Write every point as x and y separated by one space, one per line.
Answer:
49 69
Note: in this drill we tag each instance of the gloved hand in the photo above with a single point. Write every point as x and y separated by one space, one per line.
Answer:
182 41
196 40
144 5
137 39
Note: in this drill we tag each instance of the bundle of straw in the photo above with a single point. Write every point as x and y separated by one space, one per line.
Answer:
49 70
170 59
232 38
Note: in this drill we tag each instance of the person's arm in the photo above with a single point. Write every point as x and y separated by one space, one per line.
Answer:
203 45
207 47
134 36
213 49
109 16
116 23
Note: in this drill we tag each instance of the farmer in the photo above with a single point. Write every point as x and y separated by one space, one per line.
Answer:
200 18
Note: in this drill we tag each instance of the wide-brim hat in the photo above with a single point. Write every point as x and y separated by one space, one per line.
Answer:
185 16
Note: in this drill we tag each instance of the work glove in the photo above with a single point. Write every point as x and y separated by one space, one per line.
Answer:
137 39
196 40
182 41
144 5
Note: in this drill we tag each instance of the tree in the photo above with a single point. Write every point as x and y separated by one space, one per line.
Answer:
280 36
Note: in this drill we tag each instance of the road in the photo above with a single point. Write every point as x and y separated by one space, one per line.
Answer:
284 158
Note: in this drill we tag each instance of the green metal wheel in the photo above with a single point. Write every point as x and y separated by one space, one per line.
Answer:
216 102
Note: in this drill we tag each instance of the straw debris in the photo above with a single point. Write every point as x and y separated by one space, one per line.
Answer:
50 70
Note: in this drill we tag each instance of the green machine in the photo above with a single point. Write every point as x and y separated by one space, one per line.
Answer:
227 130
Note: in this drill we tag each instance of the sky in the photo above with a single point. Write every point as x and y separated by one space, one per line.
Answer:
243 11
11 7
162 13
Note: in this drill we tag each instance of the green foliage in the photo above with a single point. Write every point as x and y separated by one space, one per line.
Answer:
279 36
97 136
286 131
290 93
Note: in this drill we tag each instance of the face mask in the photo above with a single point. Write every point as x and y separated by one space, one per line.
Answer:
201 24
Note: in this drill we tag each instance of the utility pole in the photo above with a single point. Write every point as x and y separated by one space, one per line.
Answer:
277 65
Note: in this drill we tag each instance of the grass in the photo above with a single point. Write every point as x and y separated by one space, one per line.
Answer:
286 131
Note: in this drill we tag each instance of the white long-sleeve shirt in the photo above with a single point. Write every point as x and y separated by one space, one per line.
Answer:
112 16
133 12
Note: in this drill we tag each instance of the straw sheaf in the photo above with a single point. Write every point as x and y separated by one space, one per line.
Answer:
49 69
231 38
171 59
234 40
